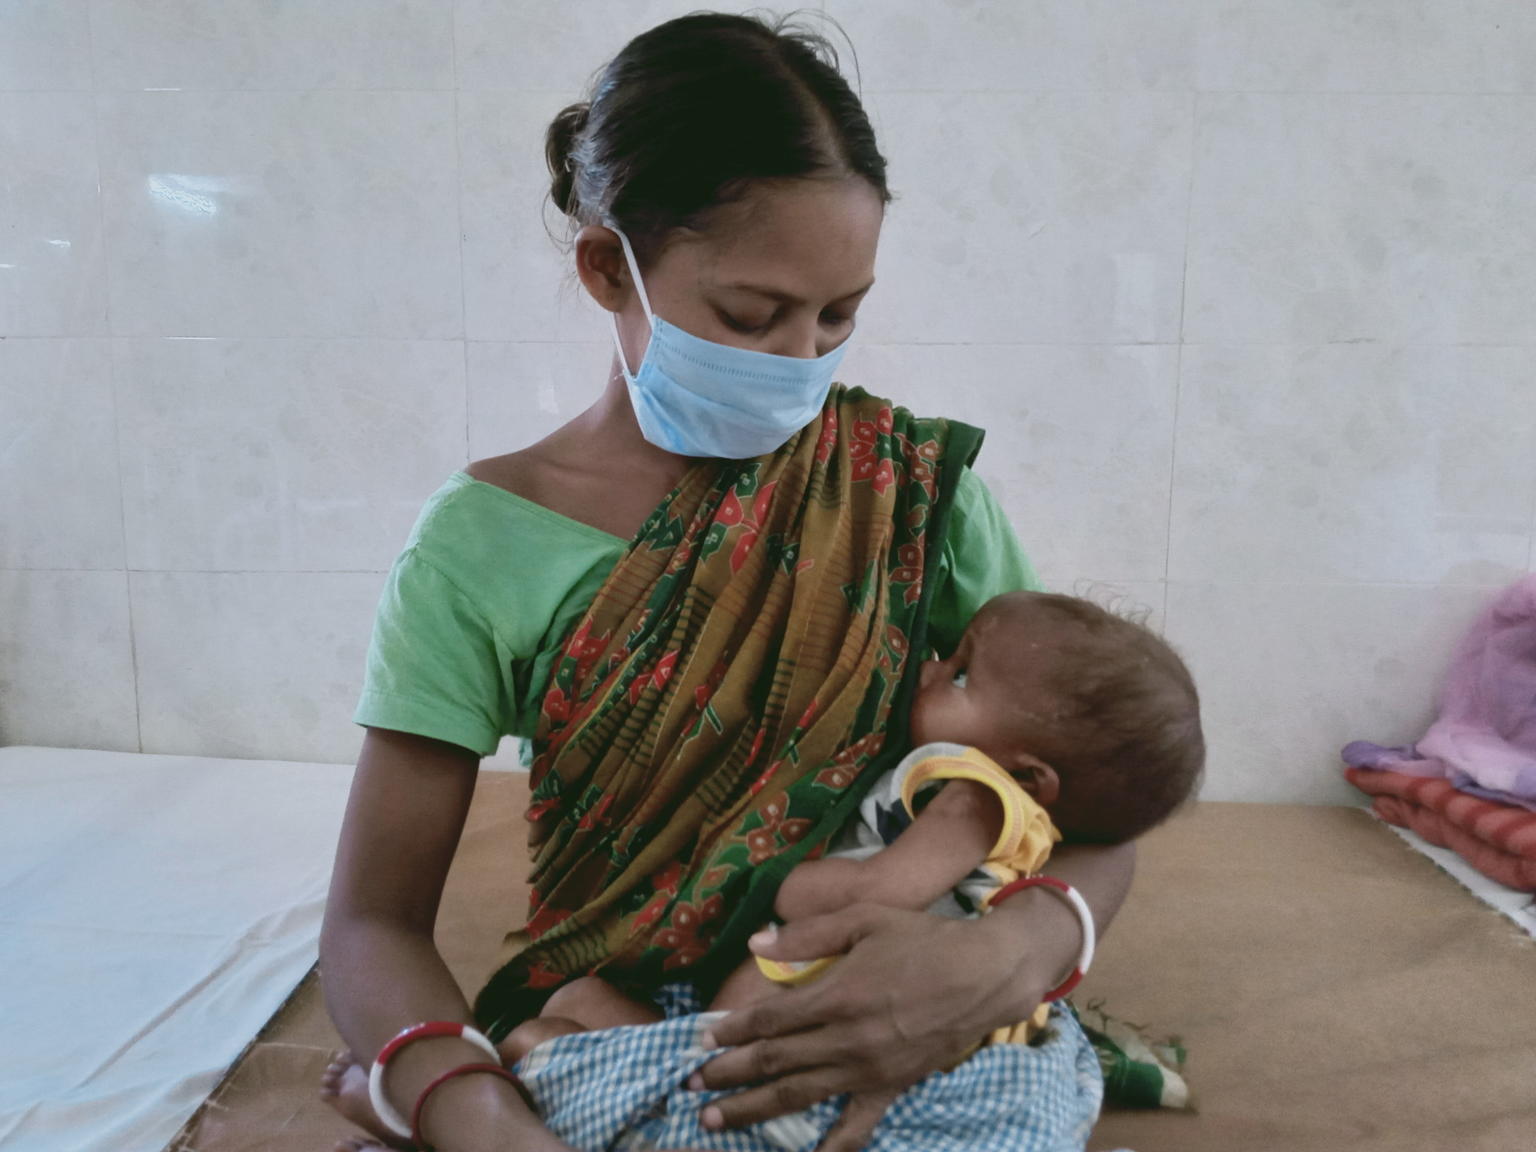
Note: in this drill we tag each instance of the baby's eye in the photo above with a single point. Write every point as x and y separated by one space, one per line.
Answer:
960 678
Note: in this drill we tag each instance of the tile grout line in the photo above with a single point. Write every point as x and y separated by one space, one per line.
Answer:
1178 359
458 185
1388 345
117 409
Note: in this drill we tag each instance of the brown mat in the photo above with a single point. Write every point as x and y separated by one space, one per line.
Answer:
1335 989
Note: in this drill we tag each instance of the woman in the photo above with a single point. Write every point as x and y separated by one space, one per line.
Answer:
705 703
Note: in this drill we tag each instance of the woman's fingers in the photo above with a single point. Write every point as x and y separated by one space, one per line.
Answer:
787 1094
830 1045
857 1123
795 1009
829 934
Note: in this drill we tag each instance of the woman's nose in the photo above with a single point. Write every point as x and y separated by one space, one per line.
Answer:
804 343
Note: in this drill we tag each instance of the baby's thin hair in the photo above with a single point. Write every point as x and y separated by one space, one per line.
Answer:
1115 601
1128 746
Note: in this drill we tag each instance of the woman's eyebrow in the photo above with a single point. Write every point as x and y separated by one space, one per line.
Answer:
790 297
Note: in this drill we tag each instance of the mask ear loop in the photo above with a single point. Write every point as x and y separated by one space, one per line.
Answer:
645 301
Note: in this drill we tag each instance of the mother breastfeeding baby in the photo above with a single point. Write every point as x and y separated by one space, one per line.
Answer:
707 600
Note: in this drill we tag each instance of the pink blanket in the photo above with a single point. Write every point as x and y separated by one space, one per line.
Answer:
1484 742
1499 840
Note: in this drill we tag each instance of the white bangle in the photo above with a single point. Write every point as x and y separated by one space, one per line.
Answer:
388 1114
1079 906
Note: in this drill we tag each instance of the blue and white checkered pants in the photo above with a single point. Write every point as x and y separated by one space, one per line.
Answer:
624 1089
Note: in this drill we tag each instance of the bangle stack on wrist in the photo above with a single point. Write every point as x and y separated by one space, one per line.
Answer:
1078 905
390 1115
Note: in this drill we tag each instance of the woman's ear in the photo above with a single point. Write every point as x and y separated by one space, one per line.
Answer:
601 267
1036 777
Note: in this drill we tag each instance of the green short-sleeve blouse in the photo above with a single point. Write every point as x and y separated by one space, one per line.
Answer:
475 607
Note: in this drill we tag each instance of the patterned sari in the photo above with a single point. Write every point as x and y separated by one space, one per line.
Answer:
726 700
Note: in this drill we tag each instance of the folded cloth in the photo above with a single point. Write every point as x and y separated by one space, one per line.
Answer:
1139 1072
1484 741
625 1089
1499 840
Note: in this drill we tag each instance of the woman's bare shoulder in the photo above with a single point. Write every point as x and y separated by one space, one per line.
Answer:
518 472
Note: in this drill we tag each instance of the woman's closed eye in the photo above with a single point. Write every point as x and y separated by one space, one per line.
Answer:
748 329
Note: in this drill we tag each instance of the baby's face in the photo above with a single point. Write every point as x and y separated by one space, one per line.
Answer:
992 693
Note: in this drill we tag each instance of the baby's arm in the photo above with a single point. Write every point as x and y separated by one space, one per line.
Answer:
950 836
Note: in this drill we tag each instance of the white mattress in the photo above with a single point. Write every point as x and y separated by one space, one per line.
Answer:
154 912
1518 906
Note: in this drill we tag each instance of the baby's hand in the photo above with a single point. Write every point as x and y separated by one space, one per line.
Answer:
816 887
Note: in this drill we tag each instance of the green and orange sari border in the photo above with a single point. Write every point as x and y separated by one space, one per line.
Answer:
757 908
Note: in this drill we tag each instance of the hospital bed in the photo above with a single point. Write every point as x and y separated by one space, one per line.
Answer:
1335 989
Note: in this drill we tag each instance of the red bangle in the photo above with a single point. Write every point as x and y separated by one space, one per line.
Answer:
386 1111
1078 905
462 1070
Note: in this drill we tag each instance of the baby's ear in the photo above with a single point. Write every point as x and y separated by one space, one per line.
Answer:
1036 777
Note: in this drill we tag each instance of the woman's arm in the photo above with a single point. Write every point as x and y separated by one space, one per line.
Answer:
910 996
379 968
1039 928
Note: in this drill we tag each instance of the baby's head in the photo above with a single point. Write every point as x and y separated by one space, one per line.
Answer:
1094 714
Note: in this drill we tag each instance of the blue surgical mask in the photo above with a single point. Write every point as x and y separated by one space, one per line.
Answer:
699 398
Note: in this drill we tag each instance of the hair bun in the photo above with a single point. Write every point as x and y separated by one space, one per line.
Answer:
559 142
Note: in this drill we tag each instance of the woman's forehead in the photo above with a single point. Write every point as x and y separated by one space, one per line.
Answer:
801 238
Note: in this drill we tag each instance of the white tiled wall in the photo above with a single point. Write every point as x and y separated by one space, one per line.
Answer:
1242 291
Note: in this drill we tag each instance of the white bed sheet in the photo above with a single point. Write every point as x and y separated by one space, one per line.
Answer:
1518 906
154 912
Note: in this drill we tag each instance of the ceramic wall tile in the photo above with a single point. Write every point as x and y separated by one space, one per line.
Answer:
1033 218
1021 45
263 665
273 44
52 268
1290 673
45 45
520 393
1359 219
284 455
325 214
1079 442
1364 45
1354 463
66 660
508 45
60 496
519 277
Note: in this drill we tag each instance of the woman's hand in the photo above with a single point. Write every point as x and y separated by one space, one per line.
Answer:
913 994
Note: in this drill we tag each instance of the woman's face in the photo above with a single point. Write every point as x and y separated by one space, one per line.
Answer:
782 271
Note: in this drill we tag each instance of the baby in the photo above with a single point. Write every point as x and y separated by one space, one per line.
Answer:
1053 719
1049 704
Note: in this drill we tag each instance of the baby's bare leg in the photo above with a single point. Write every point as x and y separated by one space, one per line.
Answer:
583 1005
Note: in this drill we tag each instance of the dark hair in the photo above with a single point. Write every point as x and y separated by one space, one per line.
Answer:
1129 749
695 110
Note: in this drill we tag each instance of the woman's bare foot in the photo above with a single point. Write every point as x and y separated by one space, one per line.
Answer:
344 1086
